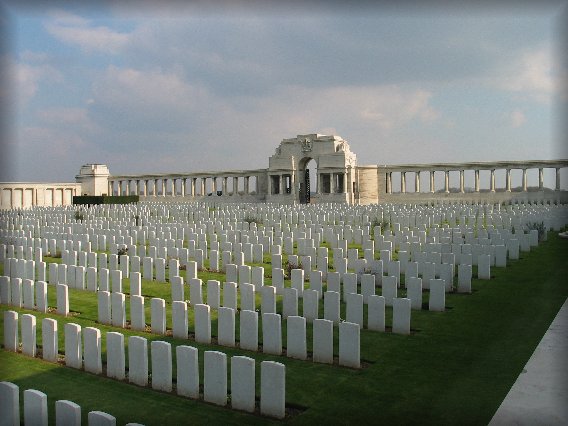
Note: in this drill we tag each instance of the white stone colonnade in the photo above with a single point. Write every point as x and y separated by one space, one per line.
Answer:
24 195
187 185
430 169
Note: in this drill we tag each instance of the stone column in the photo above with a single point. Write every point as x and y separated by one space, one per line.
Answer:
492 181
246 184
183 186
508 180
540 178
447 181
318 189
557 186
120 187
389 183
525 180
432 181
416 181
403 182
224 183
109 189
476 180
462 189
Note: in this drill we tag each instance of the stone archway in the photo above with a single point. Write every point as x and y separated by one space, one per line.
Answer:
333 159
307 180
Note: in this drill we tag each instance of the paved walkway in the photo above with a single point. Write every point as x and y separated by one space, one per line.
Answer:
540 394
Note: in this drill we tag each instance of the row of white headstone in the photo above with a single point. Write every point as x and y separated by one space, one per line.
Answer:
67 413
83 349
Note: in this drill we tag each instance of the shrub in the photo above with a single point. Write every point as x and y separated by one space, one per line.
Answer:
539 226
250 219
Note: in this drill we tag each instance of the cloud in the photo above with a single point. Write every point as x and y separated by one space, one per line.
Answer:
77 117
26 78
532 74
517 118
74 30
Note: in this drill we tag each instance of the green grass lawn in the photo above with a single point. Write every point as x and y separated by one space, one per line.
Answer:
455 368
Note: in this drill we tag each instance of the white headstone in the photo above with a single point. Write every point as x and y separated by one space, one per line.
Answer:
202 323
138 360
49 339
273 389
296 338
115 355
243 383
35 408
349 345
29 335
226 327
92 350
271 334
179 320
158 315
161 366
137 313
215 377
248 332
437 301
10 404
187 367
67 413
73 346
323 341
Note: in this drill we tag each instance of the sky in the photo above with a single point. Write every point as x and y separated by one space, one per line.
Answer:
187 86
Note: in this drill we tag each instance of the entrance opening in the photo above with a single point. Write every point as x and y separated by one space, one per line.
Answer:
308 183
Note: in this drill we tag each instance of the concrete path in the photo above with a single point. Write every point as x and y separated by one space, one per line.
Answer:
540 394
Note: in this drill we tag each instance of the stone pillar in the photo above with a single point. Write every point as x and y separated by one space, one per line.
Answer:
110 185
525 180
432 181
508 180
557 186
202 186
119 187
492 181
318 190
403 182
540 178
389 183
447 181
462 189
476 180
332 183
416 181
246 185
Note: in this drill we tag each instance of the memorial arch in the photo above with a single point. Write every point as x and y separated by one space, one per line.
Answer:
288 179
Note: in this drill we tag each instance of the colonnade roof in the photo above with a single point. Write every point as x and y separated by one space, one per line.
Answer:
205 174
525 164
39 183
